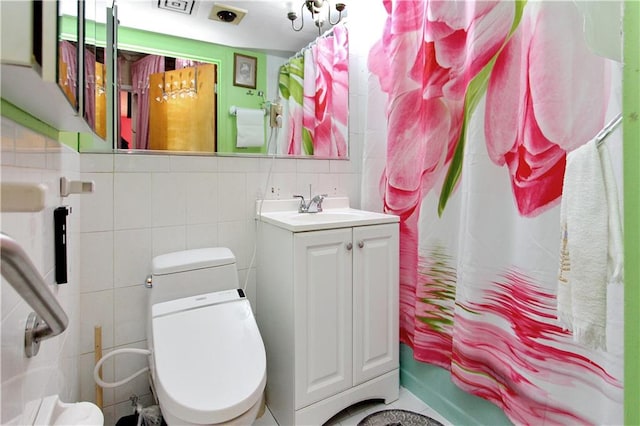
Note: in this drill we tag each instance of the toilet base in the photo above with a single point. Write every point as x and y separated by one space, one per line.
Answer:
247 418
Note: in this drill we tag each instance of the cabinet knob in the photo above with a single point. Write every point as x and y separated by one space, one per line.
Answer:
361 244
349 246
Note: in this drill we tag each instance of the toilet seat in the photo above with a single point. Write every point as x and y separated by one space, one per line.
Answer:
209 358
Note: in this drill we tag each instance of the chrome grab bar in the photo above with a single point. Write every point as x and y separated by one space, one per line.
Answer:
49 319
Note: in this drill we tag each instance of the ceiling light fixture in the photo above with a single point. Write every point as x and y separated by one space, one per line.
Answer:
320 13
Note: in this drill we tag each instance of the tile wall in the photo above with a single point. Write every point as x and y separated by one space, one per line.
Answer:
29 157
143 206
147 205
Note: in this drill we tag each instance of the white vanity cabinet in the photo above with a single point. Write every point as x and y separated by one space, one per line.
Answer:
327 308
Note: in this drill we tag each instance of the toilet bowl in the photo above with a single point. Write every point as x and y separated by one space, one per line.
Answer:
53 412
208 363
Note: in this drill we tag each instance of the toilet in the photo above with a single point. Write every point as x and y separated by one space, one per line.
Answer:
207 362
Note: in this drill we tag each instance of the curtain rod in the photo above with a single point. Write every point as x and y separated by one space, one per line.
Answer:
606 130
326 34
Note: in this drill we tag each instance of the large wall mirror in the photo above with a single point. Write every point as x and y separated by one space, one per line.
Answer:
190 83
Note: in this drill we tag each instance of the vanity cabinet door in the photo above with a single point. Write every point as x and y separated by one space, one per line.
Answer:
323 314
375 301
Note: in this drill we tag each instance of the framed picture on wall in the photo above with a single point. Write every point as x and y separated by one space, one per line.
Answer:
244 70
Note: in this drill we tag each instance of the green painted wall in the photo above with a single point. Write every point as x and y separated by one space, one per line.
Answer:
631 129
12 112
222 56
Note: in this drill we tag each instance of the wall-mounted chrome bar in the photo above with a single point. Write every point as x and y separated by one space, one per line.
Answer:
49 319
606 130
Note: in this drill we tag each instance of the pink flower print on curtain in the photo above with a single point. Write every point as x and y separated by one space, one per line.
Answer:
425 61
428 55
340 87
543 87
309 101
140 72
331 94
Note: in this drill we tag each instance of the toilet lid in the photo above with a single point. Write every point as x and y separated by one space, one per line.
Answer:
210 363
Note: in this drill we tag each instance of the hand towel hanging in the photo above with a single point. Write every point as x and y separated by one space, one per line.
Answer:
582 282
250 127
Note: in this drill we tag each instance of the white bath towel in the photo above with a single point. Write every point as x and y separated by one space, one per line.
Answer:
582 281
615 260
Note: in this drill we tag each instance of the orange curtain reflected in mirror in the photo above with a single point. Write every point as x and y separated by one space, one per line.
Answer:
101 101
182 109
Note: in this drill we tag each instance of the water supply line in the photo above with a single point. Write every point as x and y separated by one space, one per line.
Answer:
274 130
96 370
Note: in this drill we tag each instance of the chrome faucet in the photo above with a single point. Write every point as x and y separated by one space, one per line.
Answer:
314 205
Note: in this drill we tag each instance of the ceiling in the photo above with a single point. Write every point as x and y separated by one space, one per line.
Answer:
265 27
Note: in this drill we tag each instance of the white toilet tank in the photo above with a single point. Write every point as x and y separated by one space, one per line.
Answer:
192 272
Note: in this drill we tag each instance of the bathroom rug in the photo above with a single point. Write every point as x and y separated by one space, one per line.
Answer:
398 418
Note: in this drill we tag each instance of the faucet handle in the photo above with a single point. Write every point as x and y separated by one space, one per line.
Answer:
302 208
315 205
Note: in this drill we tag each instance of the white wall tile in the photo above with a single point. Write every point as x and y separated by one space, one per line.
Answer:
202 236
96 261
238 164
328 183
95 163
232 189
141 163
130 310
132 200
194 164
202 197
257 188
132 256
25 380
169 199
312 166
234 235
280 165
10 299
168 239
30 149
283 186
96 310
97 207
306 184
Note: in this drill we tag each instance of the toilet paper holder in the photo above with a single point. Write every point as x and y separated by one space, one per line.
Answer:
233 110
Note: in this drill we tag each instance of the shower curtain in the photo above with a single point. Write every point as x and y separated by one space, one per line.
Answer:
90 88
315 86
140 72
68 70
482 102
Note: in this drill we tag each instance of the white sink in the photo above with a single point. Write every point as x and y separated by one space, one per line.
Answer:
336 214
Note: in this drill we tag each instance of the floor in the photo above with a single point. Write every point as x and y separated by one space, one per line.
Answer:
352 415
